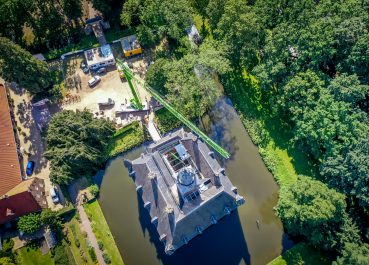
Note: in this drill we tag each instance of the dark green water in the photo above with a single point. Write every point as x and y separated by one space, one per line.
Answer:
236 239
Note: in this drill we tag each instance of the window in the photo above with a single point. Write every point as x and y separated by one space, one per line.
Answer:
192 196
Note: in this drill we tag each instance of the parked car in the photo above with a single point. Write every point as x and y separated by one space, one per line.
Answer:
108 103
54 195
85 70
83 65
30 167
93 81
101 70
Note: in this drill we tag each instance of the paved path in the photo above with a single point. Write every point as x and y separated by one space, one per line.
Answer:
155 135
85 223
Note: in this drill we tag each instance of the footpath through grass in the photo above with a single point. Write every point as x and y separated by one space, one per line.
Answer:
31 255
78 242
102 232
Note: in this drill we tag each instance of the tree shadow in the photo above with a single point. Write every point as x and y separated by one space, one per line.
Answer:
223 243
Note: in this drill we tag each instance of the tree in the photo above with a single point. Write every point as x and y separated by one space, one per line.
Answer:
94 189
30 223
191 80
104 6
299 95
354 253
347 169
72 9
214 12
158 18
18 65
330 124
130 13
200 6
6 261
359 58
76 142
308 207
240 29
17 13
348 88
156 76
50 218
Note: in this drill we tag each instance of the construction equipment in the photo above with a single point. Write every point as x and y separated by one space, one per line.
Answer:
129 76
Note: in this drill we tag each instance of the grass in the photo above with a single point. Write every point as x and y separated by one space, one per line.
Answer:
102 231
125 139
301 254
30 255
78 242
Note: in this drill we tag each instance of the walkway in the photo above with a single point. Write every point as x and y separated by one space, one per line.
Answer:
90 234
73 189
154 133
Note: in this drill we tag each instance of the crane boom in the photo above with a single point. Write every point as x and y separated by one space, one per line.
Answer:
129 75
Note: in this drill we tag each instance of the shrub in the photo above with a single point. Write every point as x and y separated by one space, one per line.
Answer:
78 244
60 255
106 258
94 189
101 245
92 253
30 223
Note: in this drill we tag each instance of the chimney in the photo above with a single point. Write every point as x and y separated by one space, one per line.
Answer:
199 230
163 237
227 211
139 189
147 205
234 189
154 220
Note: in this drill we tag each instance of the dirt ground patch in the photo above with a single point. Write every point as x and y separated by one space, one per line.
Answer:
111 86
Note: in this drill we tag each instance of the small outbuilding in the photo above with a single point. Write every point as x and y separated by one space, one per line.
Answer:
131 46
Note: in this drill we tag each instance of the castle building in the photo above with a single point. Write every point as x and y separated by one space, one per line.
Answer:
183 188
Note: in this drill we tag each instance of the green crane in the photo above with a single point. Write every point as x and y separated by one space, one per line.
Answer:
129 76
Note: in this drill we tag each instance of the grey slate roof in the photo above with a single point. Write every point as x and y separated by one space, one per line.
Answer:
177 218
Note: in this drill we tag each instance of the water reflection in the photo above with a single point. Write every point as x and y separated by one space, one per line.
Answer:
212 247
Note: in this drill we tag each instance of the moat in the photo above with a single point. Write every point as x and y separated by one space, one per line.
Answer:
236 239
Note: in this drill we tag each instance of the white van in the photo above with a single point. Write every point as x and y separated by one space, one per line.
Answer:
54 195
93 81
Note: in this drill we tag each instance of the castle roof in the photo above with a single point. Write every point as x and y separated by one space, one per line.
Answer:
183 187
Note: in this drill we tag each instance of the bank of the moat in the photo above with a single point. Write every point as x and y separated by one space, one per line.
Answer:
236 239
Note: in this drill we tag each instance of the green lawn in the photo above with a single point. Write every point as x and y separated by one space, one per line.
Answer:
79 249
125 139
301 254
31 255
102 231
